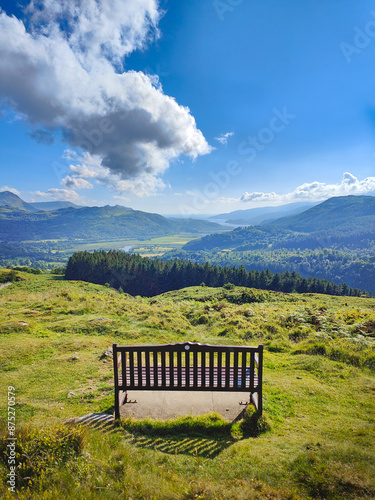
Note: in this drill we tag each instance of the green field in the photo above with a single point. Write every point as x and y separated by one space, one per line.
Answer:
319 387
165 242
48 254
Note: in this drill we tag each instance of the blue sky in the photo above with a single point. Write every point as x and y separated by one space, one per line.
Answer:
282 94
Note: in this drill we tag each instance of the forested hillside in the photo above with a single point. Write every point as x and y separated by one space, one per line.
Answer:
342 250
92 223
341 212
147 277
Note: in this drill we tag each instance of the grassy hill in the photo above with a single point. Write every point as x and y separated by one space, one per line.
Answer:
319 383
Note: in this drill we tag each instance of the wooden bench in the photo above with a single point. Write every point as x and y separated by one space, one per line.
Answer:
187 366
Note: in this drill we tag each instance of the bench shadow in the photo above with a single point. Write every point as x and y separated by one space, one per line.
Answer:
192 442
176 437
182 445
103 422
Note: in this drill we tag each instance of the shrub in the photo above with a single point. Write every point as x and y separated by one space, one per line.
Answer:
219 306
37 451
278 346
228 286
298 334
253 424
315 348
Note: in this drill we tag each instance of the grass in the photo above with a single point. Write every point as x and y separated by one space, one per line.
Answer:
319 387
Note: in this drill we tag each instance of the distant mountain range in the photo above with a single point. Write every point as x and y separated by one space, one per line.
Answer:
11 200
256 216
19 221
50 206
336 216
334 240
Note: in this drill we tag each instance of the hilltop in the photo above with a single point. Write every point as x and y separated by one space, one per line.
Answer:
11 200
319 381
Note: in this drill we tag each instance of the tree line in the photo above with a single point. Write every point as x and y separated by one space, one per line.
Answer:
332 265
144 276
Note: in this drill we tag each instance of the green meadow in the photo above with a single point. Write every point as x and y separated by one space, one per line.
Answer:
318 437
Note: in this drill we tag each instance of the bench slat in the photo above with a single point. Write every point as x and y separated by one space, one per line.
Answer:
179 368
195 370
252 359
139 368
219 369
131 364
203 369
163 370
147 358
227 371
187 368
155 372
123 366
211 369
171 368
235 369
243 371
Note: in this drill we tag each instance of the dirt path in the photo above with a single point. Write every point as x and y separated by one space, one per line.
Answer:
3 285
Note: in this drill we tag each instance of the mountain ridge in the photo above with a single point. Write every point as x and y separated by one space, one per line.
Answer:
256 216
11 200
93 223
336 212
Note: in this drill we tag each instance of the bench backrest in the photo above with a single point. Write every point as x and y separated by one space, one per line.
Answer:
188 366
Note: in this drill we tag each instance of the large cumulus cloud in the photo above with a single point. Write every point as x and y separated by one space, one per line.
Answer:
63 71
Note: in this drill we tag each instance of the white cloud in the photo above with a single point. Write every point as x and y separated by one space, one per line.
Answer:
73 81
76 183
11 190
223 138
97 28
317 191
121 198
59 194
90 167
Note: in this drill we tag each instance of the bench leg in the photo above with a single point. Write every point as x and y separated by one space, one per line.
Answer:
256 399
123 397
117 404
120 399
